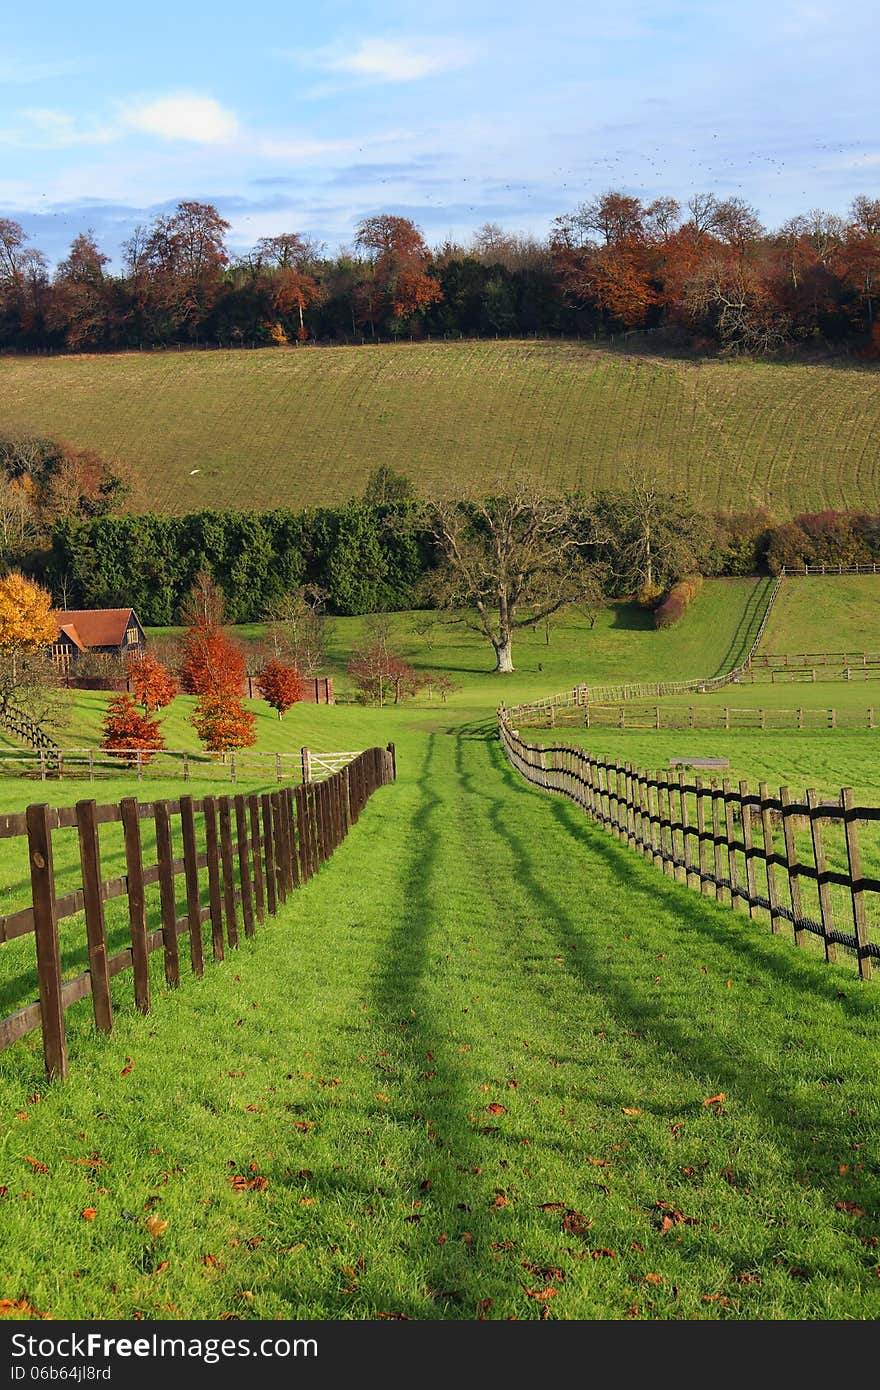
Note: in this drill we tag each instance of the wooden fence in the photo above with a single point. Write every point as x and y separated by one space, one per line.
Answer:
256 851
718 839
55 764
708 716
585 695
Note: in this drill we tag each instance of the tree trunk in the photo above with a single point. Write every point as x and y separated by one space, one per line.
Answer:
504 654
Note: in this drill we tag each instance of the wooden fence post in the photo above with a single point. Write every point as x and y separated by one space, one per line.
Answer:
137 903
854 860
46 935
215 896
93 904
191 878
244 866
257 850
228 870
825 906
745 811
306 765
165 856
269 852
791 863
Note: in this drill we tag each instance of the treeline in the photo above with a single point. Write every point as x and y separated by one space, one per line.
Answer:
709 272
366 558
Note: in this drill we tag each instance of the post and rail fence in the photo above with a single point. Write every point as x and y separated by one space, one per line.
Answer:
242 856
239 765
719 838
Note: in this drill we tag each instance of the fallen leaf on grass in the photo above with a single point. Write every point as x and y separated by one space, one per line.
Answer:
716 1298
655 1279
89 1213
852 1207
716 1100
495 1109
303 1125
575 1224
242 1184
19 1305
599 1162
603 1253
548 1273
35 1164
129 1067
380 1095
540 1295
500 1201
550 1206
630 1110
161 1268
156 1225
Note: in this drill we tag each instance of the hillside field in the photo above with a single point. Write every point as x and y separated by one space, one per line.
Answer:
303 427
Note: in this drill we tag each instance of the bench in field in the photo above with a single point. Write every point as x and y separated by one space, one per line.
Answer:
699 762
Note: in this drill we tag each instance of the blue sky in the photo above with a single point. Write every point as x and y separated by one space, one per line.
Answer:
307 117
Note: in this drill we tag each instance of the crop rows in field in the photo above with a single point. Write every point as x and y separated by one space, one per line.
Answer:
305 427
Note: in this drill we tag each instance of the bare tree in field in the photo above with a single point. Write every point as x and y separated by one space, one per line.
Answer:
513 559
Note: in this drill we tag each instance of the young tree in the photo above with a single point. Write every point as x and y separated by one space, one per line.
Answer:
513 559
282 686
377 672
385 487
153 685
211 664
297 629
125 728
222 723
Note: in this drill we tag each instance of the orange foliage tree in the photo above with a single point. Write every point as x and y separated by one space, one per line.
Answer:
153 685
222 723
282 686
125 728
396 283
211 664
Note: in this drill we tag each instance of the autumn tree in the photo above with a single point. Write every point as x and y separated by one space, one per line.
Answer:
126 730
82 297
379 673
28 678
512 560
222 723
396 283
282 686
210 663
153 685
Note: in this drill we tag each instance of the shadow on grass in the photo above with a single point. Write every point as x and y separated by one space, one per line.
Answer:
807 1127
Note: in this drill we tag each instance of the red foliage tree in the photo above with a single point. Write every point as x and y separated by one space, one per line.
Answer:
222 723
211 664
397 282
153 685
125 728
377 672
282 686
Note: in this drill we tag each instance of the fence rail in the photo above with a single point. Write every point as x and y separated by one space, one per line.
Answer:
242 765
716 839
635 716
256 850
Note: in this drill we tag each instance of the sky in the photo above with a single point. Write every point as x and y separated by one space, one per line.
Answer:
308 117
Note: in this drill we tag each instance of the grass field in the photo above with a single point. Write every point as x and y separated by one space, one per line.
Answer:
825 614
304 427
471 1062
471 1059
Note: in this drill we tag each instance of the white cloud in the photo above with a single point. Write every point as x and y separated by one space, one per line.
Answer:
14 72
41 128
184 116
389 60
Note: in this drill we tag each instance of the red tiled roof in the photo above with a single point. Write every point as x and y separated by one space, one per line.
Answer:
69 630
95 627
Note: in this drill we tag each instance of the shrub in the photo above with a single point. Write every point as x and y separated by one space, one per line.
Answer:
677 601
282 686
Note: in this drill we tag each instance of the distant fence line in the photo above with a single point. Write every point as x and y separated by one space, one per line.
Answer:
582 695
54 764
716 838
279 841
632 716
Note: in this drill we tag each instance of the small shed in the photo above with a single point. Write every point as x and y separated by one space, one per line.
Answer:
98 631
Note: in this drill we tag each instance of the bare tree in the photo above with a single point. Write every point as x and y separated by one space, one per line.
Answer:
297 628
513 559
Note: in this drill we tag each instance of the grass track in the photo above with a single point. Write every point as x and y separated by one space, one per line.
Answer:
473 944
302 427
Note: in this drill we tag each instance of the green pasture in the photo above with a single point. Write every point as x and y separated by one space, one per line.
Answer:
488 1062
305 426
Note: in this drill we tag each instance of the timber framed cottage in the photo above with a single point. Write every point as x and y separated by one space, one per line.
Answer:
98 632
